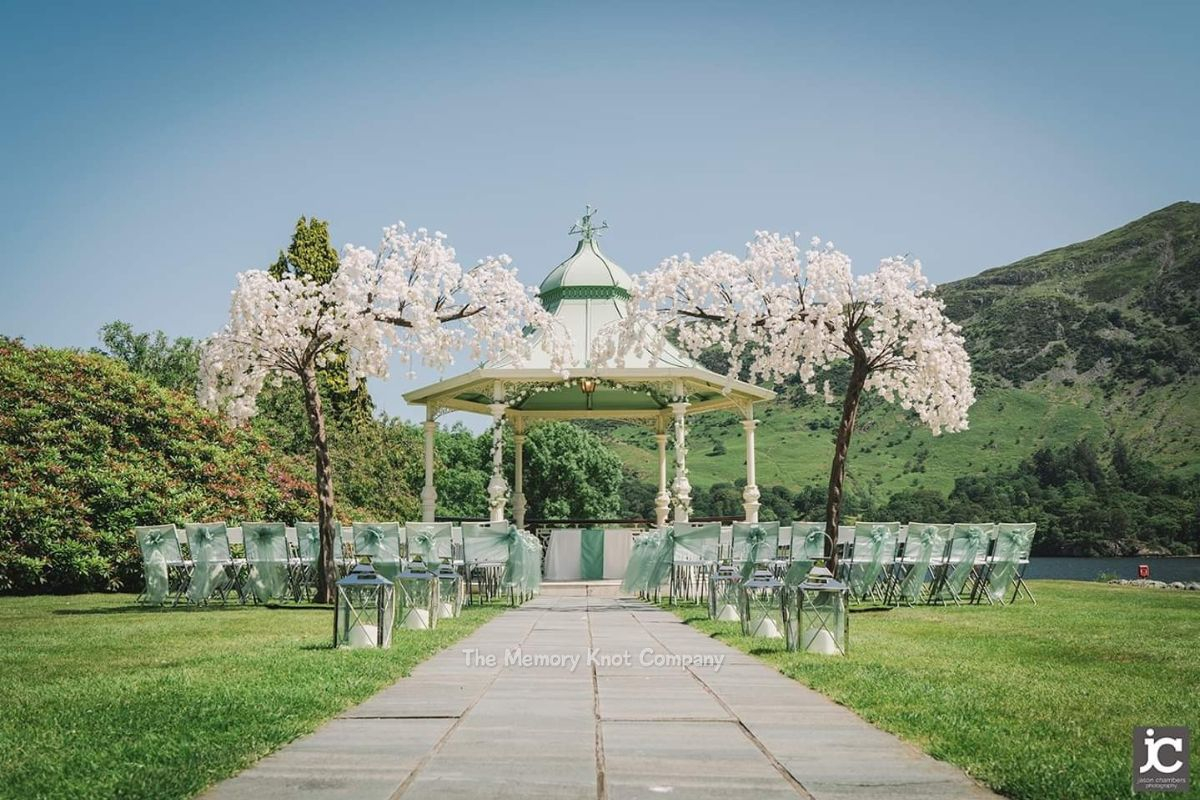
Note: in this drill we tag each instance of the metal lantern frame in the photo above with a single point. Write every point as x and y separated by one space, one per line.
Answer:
364 600
821 604
417 597
452 589
762 604
724 584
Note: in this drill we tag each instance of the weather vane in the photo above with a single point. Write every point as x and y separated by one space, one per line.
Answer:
584 227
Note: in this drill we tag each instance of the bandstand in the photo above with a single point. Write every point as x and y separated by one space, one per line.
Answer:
585 293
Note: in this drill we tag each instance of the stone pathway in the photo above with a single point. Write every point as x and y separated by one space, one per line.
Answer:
488 729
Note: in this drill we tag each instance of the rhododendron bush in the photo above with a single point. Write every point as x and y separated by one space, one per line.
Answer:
792 313
410 296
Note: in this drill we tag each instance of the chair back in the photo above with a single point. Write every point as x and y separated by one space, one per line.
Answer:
754 541
926 542
485 542
1014 541
808 541
432 541
158 542
208 542
969 541
265 542
379 540
699 542
308 542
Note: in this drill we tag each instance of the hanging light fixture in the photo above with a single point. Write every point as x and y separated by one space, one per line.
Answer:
588 385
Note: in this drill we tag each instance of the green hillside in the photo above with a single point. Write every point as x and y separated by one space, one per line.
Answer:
88 449
1091 341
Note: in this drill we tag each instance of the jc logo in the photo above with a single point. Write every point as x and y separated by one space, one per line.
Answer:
1153 746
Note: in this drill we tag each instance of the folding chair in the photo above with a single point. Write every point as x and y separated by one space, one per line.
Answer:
165 570
485 556
381 542
215 570
304 569
269 568
1006 565
968 547
924 547
693 549
871 559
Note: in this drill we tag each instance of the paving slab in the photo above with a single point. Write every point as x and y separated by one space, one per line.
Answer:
588 715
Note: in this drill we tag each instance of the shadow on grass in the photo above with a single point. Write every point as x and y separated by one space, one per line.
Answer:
184 609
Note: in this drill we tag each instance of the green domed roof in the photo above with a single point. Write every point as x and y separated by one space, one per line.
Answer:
587 275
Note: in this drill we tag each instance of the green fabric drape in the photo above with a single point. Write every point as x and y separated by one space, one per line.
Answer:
267 559
591 554
655 553
1013 542
501 543
874 545
637 570
308 542
969 543
160 548
209 546
381 542
429 540
925 543
156 543
754 542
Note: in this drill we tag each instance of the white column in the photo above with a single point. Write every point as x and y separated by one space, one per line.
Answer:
497 487
681 490
662 501
518 479
429 493
750 494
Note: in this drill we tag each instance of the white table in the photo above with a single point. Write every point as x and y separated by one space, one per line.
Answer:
562 556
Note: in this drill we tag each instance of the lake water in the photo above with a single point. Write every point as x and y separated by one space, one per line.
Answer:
1086 569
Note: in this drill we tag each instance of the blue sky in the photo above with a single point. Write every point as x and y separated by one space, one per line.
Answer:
151 151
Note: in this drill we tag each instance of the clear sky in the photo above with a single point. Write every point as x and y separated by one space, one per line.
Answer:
150 151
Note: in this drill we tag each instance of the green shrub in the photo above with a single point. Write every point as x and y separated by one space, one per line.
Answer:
88 450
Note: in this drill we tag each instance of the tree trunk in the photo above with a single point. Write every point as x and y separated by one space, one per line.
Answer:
327 566
837 474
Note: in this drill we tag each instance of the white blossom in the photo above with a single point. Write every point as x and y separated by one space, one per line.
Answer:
790 314
411 297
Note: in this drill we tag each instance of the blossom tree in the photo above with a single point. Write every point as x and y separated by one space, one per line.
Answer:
410 297
790 314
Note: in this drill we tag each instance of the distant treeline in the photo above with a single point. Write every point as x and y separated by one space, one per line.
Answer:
1083 505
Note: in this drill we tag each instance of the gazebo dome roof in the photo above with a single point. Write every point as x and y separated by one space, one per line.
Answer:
587 274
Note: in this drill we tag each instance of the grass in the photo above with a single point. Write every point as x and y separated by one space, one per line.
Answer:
102 698
890 452
1034 701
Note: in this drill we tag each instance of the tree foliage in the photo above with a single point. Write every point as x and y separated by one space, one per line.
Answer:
172 364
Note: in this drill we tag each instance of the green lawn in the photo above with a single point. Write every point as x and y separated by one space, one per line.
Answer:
1034 701
101 698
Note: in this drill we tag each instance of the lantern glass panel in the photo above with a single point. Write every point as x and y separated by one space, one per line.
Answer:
451 591
820 619
724 584
762 607
364 609
417 598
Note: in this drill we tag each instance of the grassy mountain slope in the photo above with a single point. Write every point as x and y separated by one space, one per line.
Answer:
1093 340
88 450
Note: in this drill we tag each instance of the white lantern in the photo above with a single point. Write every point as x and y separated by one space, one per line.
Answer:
364 609
821 624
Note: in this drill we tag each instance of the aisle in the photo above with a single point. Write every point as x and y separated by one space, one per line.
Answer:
595 697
